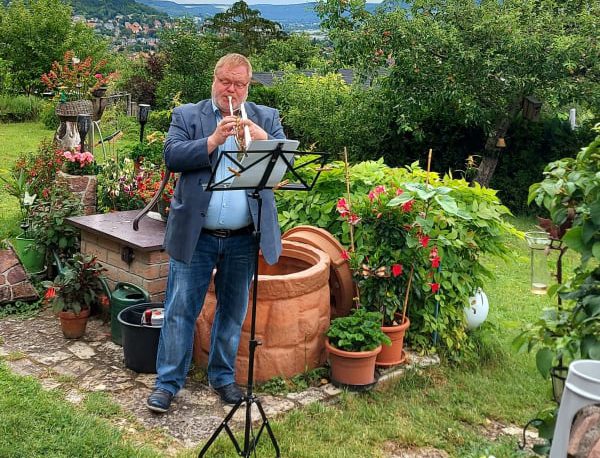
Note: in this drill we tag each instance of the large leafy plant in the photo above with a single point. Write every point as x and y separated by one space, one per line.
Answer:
466 222
78 286
359 331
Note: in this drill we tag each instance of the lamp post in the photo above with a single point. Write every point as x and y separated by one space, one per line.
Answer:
84 122
143 112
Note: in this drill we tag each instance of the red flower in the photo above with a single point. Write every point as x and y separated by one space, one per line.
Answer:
407 206
345 255
434 258
435 287
399 191
50 293
424 240
397 270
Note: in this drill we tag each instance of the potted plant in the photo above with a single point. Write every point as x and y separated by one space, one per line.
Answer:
393 258
18 186
72 293
353 343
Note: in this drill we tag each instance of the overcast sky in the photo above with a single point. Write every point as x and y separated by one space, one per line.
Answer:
250 2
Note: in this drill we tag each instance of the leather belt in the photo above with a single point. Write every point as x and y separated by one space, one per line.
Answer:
224 233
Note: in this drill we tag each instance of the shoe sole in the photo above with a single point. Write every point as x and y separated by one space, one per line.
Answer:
156 408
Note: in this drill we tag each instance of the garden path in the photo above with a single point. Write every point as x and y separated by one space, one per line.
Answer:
35 347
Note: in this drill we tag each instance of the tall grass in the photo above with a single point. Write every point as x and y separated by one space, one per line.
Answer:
19 108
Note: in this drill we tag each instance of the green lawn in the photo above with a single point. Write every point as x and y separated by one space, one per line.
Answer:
450 407
16 139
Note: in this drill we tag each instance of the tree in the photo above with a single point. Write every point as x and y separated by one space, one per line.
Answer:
471 63
189 59
33 34
296 52
242 29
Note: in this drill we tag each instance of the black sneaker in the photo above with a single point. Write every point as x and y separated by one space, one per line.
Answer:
159 400
230 394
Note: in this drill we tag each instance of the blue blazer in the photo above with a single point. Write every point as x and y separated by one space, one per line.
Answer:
186 152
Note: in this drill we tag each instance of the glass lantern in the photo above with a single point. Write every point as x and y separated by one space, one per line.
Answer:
539 245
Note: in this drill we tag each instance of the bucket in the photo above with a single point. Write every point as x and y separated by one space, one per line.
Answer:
140 341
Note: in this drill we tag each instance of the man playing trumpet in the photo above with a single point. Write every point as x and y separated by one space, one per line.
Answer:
208 230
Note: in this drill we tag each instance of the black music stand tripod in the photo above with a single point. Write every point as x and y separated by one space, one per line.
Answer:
265 162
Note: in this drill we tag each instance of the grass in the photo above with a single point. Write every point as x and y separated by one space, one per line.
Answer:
449 407
16 139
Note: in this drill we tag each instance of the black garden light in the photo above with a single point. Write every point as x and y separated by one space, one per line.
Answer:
84 122
558 374
143 112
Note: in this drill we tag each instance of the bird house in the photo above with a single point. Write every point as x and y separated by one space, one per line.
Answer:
531 108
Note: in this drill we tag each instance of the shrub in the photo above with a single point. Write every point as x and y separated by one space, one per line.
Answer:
48 116
19 108
463 231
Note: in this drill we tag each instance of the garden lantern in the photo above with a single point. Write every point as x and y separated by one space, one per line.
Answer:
531 108
84 122
539 245
501 143
143 112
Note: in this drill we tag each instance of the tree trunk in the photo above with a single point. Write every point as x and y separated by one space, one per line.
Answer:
491 152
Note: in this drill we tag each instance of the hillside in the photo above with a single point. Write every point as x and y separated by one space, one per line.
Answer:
108 9
294 16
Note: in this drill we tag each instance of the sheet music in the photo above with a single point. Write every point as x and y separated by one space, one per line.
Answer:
258 162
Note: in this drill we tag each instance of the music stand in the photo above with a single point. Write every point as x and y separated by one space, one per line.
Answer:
258 170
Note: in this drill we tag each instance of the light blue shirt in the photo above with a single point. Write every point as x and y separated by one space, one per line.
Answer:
227 209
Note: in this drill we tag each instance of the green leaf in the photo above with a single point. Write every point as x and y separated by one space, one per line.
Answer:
544 359
573 239
595 212
596 250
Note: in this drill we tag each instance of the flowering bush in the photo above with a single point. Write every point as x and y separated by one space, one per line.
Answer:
76 78
393 256
78 286
118 186
78 163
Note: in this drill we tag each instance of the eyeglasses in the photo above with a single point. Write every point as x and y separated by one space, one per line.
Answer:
237 84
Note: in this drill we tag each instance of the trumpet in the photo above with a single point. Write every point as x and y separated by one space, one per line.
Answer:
242 133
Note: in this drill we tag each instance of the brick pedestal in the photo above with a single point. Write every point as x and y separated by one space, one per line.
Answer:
85 186
127 255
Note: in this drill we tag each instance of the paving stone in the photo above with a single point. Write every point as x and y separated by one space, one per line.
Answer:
74 397
49 384
308 397
72 368
82 350
51 359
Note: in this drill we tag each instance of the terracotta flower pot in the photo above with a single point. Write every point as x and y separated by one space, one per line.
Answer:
72 325
291 321
340 276
352 368
393 354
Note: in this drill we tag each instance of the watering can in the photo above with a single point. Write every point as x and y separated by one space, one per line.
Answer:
124 295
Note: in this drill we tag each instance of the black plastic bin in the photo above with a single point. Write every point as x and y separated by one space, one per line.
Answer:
140 342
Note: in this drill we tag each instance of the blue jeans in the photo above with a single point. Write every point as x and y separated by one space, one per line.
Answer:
186 288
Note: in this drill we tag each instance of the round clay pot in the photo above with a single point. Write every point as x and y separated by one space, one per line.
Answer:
352 368
340 276
73 325
292 316
393 354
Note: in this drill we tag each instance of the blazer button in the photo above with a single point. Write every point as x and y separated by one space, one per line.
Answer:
202 214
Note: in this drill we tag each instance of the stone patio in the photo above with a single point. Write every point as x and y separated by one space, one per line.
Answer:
36 347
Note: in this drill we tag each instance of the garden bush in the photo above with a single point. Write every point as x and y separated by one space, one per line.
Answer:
463 232
19 108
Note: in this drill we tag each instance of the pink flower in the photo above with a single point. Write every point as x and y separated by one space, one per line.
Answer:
434 258
345 255
399 191
354 219
371 196
98 76
68 156
380 189
397 270
342 207
435 287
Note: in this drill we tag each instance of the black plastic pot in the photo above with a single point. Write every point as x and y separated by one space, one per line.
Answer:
140 341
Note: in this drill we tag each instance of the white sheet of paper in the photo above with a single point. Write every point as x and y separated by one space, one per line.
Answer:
251 178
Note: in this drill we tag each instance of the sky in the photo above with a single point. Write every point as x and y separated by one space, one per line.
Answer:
250 2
